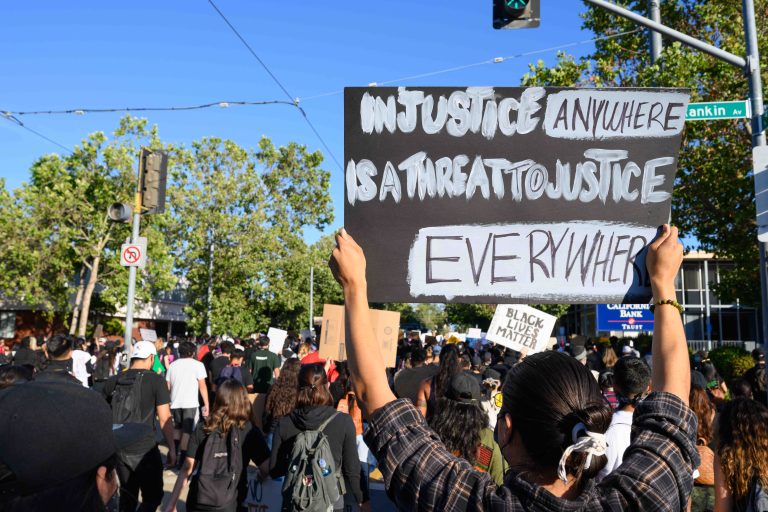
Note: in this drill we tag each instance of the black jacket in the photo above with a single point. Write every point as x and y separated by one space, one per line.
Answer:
341 437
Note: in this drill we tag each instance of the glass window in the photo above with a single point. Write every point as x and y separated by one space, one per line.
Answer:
730 328
693 297
693 328
678 281
692 277
7 324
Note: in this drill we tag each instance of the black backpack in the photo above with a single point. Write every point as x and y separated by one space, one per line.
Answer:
125 400
101 369
217 475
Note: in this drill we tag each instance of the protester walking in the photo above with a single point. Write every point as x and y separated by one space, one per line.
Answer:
219 453
313 419
281 400
186 383
138 395
264 366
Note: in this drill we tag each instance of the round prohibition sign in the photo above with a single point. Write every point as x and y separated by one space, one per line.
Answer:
132 254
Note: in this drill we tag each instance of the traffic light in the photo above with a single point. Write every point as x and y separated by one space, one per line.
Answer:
120 212
516 13
154 172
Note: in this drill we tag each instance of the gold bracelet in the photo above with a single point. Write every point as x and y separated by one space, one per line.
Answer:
670 302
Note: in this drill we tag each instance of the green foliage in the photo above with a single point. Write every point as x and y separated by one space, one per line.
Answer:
741 364
251 206
730 361
470 315
55 225
714 190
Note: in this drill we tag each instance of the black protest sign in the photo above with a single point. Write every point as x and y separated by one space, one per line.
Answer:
483 194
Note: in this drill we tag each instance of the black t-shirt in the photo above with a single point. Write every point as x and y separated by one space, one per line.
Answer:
254 449
408 381
154 391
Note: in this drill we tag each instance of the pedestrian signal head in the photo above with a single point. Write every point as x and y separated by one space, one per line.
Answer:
120 212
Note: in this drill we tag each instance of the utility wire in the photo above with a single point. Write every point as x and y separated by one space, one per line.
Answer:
81 111
294 100
495 60
17 122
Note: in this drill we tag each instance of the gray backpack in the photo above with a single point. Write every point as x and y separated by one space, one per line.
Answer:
313 482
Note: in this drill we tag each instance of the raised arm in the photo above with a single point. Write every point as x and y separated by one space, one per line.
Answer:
363 355
671 370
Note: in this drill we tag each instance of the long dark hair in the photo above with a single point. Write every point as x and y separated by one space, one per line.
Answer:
547 395
742 445
704 409
313 386
282 397
450 365
459 425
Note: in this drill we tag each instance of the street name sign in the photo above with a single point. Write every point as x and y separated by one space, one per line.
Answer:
717 110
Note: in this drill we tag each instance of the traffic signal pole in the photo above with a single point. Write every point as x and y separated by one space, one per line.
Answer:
132 270
751 68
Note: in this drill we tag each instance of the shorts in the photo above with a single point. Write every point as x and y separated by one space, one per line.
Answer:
185 419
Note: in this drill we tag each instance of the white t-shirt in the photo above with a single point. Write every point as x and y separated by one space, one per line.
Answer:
183 376
618 439
79 360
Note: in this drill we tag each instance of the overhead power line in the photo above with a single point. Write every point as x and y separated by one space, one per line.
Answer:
17 122
82 111
495 60
295 101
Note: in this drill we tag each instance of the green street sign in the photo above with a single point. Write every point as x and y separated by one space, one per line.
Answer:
717 110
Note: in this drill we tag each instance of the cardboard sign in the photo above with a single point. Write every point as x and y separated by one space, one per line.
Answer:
535 194
386 325
474 334
276 340
521 328
148 335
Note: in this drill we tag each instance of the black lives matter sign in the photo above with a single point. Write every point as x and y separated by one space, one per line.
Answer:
516 195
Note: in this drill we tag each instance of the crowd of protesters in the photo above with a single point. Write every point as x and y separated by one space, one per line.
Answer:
455 425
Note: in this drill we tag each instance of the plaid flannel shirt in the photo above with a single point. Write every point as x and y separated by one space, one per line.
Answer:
420 474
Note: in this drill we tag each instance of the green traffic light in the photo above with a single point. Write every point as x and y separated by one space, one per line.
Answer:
516 4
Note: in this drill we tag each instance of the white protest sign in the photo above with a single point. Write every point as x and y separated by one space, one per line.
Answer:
148 334
307 333
276 339
521 328
265 495
474 333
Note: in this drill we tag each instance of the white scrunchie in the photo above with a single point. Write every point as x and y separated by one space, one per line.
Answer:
592 443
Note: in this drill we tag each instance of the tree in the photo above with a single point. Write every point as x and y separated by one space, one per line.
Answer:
61 233
713 199
237 216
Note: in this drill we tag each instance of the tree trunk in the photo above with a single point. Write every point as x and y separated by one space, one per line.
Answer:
78 302
87 294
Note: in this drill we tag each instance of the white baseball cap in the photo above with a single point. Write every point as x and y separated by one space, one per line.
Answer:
143 350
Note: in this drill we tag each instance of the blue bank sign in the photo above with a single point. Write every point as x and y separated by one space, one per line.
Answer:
624 317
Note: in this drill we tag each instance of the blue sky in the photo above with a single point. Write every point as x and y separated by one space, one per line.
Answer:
61 55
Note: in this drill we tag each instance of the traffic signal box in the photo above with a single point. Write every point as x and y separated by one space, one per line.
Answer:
508 14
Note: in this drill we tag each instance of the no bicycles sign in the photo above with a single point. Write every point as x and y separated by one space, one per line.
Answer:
134 254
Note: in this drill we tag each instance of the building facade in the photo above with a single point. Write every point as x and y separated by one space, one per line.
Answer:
709 322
